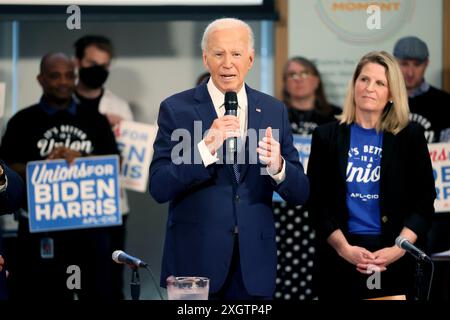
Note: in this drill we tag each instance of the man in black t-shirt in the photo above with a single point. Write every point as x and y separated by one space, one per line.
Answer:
56 128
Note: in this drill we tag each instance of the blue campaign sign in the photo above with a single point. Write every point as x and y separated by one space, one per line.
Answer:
82 195
303 146
440 158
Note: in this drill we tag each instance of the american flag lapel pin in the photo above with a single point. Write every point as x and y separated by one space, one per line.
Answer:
258 110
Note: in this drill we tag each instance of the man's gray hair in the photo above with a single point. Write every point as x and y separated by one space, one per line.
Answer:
226 23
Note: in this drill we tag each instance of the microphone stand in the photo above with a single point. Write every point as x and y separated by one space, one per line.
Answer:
420 293
418 281
135 284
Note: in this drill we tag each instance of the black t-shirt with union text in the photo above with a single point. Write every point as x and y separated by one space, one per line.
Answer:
432 111
32 133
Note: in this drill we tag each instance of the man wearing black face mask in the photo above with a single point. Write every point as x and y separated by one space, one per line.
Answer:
93 55
93 58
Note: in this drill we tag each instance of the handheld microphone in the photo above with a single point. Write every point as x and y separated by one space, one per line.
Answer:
121 257
231 105
403 243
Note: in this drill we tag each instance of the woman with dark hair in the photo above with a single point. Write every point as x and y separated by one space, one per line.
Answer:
308 108
304 96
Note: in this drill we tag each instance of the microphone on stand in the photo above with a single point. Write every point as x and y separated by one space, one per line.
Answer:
122 258
419 282
403 243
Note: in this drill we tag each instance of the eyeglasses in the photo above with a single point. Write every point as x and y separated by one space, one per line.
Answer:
299 75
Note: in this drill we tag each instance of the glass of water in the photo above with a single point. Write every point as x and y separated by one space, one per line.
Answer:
187 288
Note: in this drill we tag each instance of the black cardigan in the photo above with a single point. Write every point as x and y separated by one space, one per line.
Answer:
407 190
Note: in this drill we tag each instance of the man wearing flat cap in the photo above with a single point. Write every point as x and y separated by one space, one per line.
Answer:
429 106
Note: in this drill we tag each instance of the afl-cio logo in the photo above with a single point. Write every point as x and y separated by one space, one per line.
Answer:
348 19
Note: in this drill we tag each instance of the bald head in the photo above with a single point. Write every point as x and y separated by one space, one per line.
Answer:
53 58
57 78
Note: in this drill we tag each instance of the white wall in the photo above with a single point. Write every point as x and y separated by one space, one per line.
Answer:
339 38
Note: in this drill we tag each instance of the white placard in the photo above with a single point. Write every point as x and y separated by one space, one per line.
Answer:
135 141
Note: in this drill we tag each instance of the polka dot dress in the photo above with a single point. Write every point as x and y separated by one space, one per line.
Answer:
295 239
295 236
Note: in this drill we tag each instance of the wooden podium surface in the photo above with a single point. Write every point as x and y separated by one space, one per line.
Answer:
397 297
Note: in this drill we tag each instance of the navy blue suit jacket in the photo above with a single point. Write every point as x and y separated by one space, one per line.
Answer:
207 202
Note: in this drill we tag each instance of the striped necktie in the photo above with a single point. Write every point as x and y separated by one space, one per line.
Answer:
237 174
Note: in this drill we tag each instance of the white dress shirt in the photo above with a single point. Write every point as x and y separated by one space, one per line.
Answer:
218 99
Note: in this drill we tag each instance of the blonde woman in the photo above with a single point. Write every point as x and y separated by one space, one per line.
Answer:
371 181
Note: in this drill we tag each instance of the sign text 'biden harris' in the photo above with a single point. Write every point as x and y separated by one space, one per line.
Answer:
84 194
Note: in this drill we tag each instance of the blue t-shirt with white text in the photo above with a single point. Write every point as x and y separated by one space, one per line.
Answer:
363 180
